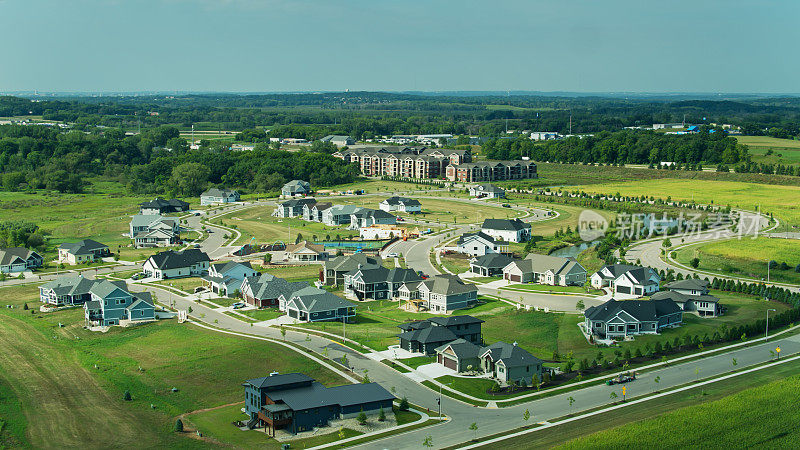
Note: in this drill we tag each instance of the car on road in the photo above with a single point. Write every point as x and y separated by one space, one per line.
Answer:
238 305
197 214
392 255
506 205
622 378
196 246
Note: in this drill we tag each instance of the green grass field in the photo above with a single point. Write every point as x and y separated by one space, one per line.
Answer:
747 257
80 376
749 196
783 151
762 417
553 289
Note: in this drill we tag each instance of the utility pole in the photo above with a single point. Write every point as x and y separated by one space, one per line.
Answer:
570 124
766 332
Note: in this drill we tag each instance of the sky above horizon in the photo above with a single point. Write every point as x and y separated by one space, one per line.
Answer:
725 46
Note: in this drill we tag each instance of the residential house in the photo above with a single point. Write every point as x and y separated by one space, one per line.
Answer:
626 281
66 290
264 290
459 355
333 270
226 278
19 259
306 252
339 214
297 403
296 187
401 204
441 293
159 206
312 304
616 319
425 336
112 304
176 264
510 364
691 295
366 217
293 207
84 251
339 141
377 283
479 244
509 230
489 265
154 231
486 190
545 269
215 195
313 211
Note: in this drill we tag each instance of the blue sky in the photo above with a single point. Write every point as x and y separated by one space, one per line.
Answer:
397 45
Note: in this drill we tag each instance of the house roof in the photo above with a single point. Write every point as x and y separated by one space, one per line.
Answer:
344 210
449 321
8 255
429 334
69 285
402 200
82 247
224 268
511 355
305 245
615 270
492 261
642 310
322 206
366 213
160 203
146 220
505 224
348 263
556 264
171 259
295 202
103 288
688 284
480 234
297 184
216 192
678 297
382 274
278 380
268 286
312 299
487 187
316 395
462 348
448 285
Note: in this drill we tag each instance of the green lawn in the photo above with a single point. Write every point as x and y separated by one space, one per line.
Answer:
185 284
755 418
456 262
747 257
418 361
475 387
262 314
93 370
781 151
553 289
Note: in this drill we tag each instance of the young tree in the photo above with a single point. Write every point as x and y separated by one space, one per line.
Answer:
381 415
283 332
613 396
403 404
580 305
178 427
474 428
127 396
526 416
571 401
362 418
428 441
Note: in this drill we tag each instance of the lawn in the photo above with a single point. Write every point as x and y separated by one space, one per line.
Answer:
567 215
456 262
418 361
262 314
259 223
783 151
92 370
757 417
749 196
747 257
185 284
553 289
294 273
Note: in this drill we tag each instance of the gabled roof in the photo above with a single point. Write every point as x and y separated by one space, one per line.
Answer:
429 334
298 183
348 263
344 210
268 286
305 246
171 259
103 288
69 285
312 299
504 224
556 264
366 213
511 355
486 187
381 274
688 284
480 234
402 200
492 261
448 285
8 255
462 349
216 192
224 268
642 310
147 220
160 203
615 270
279 380
316 395
298 202
82 247
677 297
449 321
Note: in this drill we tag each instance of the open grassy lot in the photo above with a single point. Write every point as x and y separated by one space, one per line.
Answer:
185 284
259 223
80 376
567 215
456 262
294 273
747 257
553 289
781 151
770 198
262 314
752 418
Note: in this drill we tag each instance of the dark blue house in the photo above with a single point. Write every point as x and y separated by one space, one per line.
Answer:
297 403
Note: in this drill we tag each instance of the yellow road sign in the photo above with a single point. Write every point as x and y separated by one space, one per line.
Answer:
623 390
778 349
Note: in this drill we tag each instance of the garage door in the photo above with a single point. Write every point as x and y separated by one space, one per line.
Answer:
516 278
449 363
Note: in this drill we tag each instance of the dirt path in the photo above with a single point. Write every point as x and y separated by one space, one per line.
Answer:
64 405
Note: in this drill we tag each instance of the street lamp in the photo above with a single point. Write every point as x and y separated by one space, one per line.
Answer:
766 333
439 400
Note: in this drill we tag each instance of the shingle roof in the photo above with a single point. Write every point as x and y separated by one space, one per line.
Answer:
347 263
448 285
172 204
69 285
279 380
688 284
557 264
492 261
511 355
7 255
171 259
223 268
316 395
296 202
82 247
216 192
486 187
102 288
462 348
405 201
464 237
312 299
268 286
682 298
449 321
305 245
504 224
429 334
642 310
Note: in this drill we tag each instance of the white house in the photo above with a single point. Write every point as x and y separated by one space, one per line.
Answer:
486 190
215 195
172 264
380 232
366 217
626 281
152 230
543 135
296 187
479 244
545 269
510 230
401 204
81 252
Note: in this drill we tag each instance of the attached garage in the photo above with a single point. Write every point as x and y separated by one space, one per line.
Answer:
447 362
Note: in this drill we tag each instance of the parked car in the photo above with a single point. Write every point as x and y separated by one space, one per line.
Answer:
506 205
199 289
622 378
197 214
392 255
238 305
196 246
137 276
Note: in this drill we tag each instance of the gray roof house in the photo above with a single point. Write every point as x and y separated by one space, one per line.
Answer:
692 295
174 264
334 269
226 278
216 195
338 140
627 281
509 230
312 304
377 283
264 290
545 269
296 187
111 304
401 204
152 230
366 217
293 207
616 319
479 244
66 290
425 336
160 206
460 355
339 214
313 211
83 251
489 265
508 363
486 190
19 259
441 293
